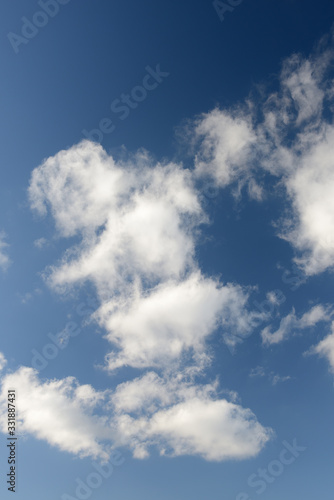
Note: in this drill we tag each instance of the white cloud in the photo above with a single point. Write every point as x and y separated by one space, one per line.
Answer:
41 243
286 325
149 411
134 219
171 415
4 259
311 188
314 315
142 393
225 145
276 379
57 411
255 191
306 161
289 134
325 348
25 297
3 361
156 328
231 432
259 371
300 79
290 323
138 247
138 225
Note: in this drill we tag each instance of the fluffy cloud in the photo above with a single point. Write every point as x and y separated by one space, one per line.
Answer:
134 218
149 411
171 415
290 323
306 160
57 411
311 189
225 146
158 327
4 259
138 247
136 225
231 432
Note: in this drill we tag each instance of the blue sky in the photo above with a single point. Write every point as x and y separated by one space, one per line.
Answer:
167 248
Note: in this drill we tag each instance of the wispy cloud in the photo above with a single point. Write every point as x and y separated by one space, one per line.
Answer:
4 259
274 378
41 243
258 371
3 361
291 323
325 348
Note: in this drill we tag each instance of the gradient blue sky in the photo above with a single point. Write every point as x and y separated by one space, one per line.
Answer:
62 82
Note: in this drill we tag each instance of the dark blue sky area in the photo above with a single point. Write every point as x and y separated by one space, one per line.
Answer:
66 77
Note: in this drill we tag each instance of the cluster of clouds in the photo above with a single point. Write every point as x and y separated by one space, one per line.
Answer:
135 223
173 414
289 135
138 224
